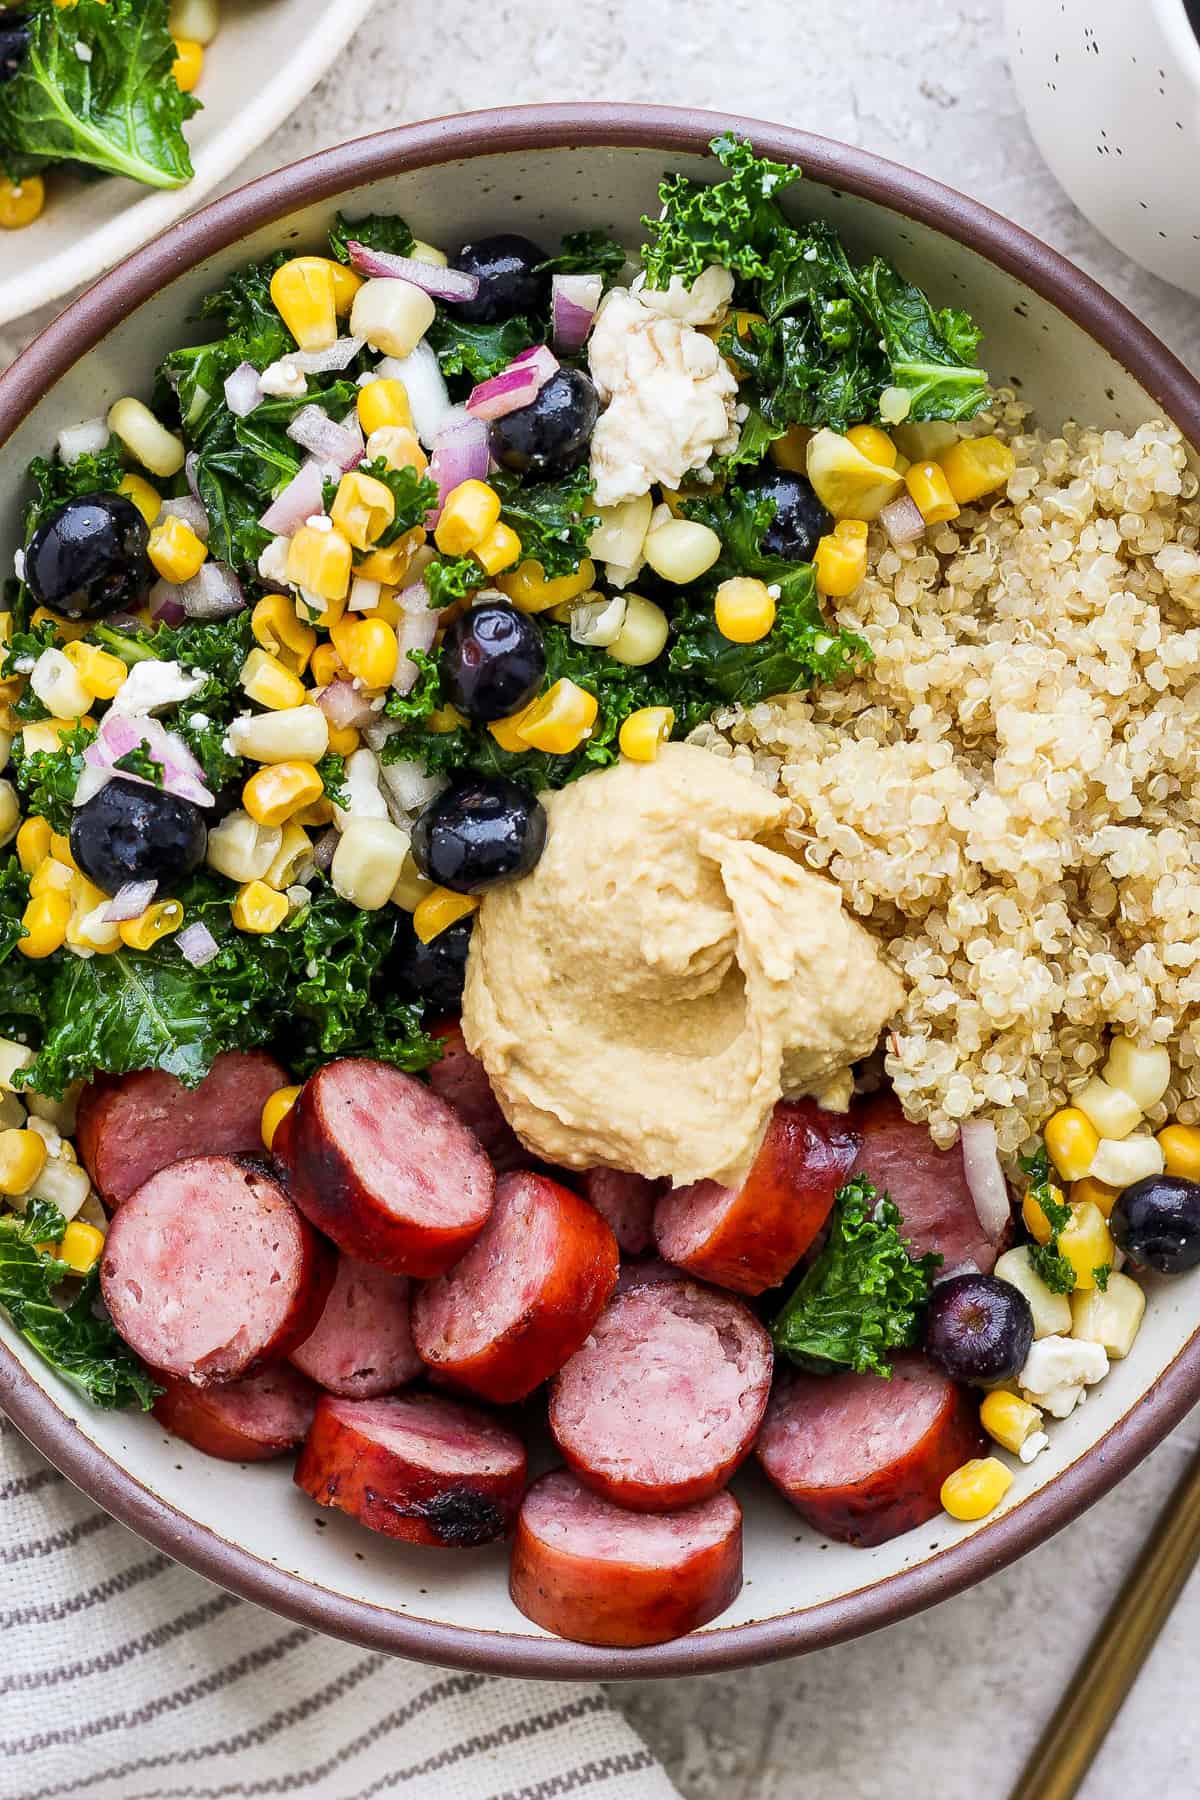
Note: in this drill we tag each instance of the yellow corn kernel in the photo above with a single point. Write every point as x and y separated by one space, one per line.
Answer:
314 817
1180 1143
930 492
33 843
48 734
147 499
304 297
1098 1192
362 509
161 920
60 850
469 514
841 558
259 909
343 740
22 1159
1036 1223
505 730
412 886
976 466
320 561
976 1489
381 403
390 567
282 634
443 720
1072 1141
1008 1419
327 665
399 447
102 674
277 1107
51 877
45 920
175 550
500 549
560 720
791 450
528 589
346 283
188 65
1086 1243
66 631
21 202
270 684
156 448
81 1247
875 445
275 793
745 609
293 852
643 731
369 648
439 909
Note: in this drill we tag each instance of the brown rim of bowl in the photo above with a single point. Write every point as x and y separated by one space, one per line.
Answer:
670 131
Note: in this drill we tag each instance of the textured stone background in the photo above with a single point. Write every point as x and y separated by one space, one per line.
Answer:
953 1700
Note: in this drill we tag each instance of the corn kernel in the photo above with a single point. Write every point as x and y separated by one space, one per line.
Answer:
267 681
316 816
500 549
369 648
443 720
1009 1420
1113 1112
290 734
643 633
1110 1317
745 609
976 466
841 558
188 65
81 1247
275 1111
1119 1162
259 909
45 920
147 499
159 921
791 450
343 740
175 550
362 509
294 851
303 293
470 512
399 447
274 793
412 886
48 734
66 631
22 1158
102 674
156 448
56 683
51 877
875 445
321 562
282 634
1143 1074
1072 1141
21 202
1036 1223
930 492
643 731
440 909
1098 1192
346 283
367 862
390 567
976 1489
505 731
1180 1143
560 720
681 550
1087 1243
327 666
382 403
529 590
60 849
33 843
393 316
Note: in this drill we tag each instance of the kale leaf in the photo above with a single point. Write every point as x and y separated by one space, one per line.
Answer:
864 1294
332 770
216 648
586 253
252 331
378 231
424 697
553 519
450 578
96 87
479 351
47 779
1049 1262
735 222
139 761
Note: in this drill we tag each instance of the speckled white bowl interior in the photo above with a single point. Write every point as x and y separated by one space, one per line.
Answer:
544 172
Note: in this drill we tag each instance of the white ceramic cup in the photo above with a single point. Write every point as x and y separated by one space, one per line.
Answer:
1111 89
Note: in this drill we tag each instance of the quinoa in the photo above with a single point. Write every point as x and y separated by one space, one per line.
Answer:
1010 794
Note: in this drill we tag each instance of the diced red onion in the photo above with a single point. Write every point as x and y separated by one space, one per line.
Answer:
428 396
345 706
214 592
90 782
120 733
315 431
87 438
130 901
191 465
197 945
541 359
190 510
573 303
165 605
416 629
243 390
985 1177
325 849
902 521
507 392
460 454
303 496
322 362
442 283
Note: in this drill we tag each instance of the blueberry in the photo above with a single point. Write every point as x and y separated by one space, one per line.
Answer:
89 557
800 519
132 832
508 283
1157 1222
550 436
14 45
480 830
978 1328
433 973
493 660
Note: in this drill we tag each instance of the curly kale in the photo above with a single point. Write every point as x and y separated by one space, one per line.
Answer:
735 222
553 519
378 231
47 779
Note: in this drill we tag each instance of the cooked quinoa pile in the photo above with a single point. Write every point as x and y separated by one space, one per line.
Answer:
1011 793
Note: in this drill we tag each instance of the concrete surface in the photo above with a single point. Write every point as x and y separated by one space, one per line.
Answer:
953 1700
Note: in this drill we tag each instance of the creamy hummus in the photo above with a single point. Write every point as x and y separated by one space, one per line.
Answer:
644 997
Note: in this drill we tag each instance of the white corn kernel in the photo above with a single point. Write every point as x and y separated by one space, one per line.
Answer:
428 253
393 316
363 790
1145 1075
55 681
364 594
293 734
10 812
13 1056
242 849
1051 1311
1110 1318
621 533
680 550
65 1184
12 1113
597 622
1114 1113
1121 1162
367 862
150 443
194 19
59 1113
643 633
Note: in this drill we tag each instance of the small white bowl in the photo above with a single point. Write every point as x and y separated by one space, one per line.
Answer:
266 57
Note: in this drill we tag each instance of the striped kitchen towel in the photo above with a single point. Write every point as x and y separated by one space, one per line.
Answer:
126 1677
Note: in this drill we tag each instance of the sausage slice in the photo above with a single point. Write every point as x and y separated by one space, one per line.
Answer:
130 1126
461 1081
525 1295
864 1459
750 1237
927 1184
415 1467
253 1420
385 1168
661 1404
627 1202
585 1569
209 1270
362 1346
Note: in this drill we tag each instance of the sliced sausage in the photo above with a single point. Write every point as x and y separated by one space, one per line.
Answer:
461 1081
661 1404
525 1295
252 1420
588 1570
209 1271
627 1202
131 1126
750 1237
362 1346
415 1467
864 1459
927 1184
385 1168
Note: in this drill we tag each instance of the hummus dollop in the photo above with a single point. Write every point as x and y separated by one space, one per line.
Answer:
646 995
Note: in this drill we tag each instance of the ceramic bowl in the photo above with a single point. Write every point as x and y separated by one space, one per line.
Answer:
266 57
1076 352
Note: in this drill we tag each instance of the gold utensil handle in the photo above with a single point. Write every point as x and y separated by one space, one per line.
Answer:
1113 1659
